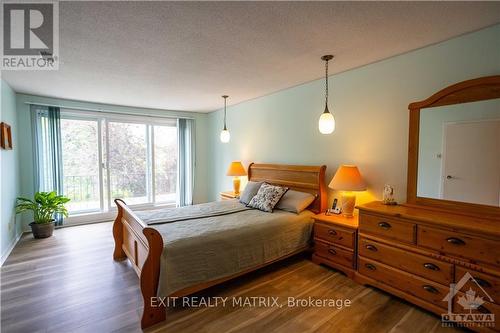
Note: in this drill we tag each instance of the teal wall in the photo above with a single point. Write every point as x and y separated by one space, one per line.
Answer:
10 227
26 140
370 104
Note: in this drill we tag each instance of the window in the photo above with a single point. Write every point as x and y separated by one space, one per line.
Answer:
80 164
105 156
165 163
128 162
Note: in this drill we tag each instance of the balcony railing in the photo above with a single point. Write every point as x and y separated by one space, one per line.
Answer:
83 190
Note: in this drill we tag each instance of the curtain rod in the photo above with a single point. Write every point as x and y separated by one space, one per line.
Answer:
110 111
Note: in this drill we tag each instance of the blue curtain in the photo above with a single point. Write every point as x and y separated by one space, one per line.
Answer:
186 162
47 150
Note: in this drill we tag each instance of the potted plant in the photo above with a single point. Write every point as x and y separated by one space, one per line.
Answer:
45 205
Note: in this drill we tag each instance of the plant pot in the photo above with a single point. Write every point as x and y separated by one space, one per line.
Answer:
42 230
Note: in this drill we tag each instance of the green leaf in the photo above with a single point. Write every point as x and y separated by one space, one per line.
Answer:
45 205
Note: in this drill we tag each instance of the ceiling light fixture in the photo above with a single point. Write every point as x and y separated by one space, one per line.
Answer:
326 122
224 134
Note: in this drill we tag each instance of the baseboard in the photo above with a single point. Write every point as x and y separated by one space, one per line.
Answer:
11 247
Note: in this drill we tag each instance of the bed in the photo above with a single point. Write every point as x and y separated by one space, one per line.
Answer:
174 252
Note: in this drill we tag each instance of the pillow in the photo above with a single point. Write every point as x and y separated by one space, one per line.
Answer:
267 197
250 191
295 201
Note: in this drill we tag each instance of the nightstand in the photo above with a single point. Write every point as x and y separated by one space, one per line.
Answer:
228 195
335 238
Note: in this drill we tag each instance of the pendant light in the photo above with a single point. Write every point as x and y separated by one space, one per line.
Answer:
224 134
326 122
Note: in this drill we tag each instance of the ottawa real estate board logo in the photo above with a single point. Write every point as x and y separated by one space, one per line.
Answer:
30 37
469 303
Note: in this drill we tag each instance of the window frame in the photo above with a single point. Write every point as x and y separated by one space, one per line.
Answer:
108 211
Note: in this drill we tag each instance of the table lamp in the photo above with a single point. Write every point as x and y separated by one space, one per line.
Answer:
348 180
236 170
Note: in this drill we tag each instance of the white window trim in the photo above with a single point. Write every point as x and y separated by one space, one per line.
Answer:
108 213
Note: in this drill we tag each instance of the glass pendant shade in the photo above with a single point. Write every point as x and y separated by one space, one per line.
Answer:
326 123
225 136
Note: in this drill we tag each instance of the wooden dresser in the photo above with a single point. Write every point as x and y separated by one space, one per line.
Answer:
416 253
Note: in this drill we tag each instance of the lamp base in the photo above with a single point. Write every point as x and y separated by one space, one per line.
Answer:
348 204
236 186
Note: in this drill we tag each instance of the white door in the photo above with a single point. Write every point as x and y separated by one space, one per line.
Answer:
471 162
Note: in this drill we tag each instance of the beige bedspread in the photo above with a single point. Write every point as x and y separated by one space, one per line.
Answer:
203 249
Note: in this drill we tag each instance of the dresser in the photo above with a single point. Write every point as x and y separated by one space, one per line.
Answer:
416 253
335 239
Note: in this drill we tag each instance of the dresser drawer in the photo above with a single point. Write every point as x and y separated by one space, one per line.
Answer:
489 283
485 308
387 227
407 261
334 253
422 288
460 245
333 234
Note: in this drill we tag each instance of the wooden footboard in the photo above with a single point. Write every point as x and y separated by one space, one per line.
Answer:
143 247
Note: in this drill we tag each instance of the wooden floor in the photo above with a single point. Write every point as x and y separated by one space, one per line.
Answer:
69 283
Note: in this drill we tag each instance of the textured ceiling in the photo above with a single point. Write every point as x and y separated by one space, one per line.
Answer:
185 55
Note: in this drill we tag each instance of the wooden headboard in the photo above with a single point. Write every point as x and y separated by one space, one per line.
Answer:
309 179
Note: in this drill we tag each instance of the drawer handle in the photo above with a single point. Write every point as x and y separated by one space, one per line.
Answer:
482 283
384 225
482 309
332 251
430 289
370 267
455 241
332 232
371 248
430 266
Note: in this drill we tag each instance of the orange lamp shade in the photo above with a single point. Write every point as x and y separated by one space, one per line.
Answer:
236 169
347 178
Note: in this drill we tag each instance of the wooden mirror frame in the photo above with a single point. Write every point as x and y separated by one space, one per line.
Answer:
474 90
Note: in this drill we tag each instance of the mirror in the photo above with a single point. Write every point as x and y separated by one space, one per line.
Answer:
454 149
459 152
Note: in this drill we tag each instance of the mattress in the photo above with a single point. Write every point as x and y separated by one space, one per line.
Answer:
229 239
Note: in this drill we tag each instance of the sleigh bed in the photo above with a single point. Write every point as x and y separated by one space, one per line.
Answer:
145 244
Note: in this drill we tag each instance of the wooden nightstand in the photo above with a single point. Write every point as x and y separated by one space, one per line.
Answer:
335 238
228 195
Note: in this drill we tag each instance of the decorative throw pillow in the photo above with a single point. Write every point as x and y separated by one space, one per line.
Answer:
295 201
267 197
250 191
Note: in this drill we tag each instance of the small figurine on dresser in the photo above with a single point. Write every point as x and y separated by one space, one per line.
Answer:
388 195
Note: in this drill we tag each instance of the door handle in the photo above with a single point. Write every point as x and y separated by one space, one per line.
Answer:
332 232
430 266
482 283
430 289
384 225
455 241
450 177
482 309
370 267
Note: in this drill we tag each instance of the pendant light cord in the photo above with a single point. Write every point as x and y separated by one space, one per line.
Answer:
326 83
225 97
